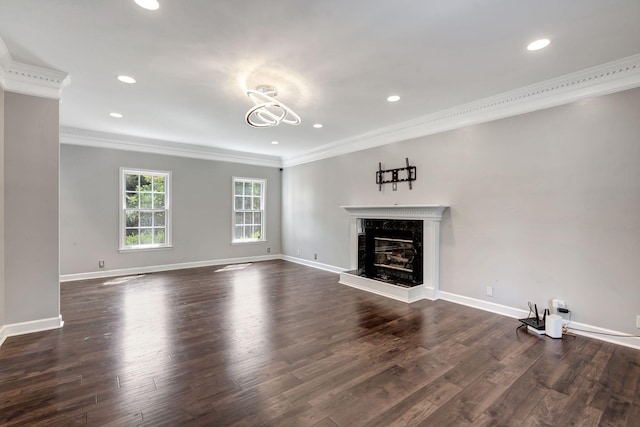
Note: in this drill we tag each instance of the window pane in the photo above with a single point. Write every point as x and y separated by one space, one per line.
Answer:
158 201
131 182
239 220
256 204
257 218
146 219
238 203
257 230
158 184
146 236
257 188
158 219
132 200
132 237
237 232
238 189
247 188
246 232
248 218
145 182
158 235
247 203
132 218
146 201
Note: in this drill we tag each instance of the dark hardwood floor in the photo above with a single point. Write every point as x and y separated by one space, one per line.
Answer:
279 344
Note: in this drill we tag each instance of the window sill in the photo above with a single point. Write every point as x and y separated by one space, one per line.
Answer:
160 248
247 242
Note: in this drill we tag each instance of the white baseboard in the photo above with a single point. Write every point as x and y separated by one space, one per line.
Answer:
164 267
483 305
314 264
596 332
39 325
587 330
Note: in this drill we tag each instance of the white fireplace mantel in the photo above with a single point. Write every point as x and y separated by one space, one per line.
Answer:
431 215
431 212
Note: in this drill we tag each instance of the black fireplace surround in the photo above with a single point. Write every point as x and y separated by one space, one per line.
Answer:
390 250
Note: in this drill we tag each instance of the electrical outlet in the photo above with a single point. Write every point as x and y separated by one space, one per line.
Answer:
315 256
638 321
489 291
268 250
100 264
556 304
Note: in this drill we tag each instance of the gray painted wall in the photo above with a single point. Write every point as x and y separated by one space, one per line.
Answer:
31 161
2 273
543 205
201 199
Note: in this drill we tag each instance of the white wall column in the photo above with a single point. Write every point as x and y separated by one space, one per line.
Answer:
30 209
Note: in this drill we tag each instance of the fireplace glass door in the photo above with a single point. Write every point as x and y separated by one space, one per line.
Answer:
394 254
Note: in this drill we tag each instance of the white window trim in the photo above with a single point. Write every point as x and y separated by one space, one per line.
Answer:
122 205
263 237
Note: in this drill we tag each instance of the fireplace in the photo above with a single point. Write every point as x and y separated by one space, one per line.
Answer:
391 251
395 250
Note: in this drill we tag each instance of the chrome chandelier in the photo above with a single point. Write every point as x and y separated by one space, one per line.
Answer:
268 112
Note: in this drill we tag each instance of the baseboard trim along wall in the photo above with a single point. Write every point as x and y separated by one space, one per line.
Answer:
585 330
314 264
165 267
512 312
40 325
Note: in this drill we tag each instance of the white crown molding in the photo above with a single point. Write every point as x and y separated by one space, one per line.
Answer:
603 79
29 79
88 138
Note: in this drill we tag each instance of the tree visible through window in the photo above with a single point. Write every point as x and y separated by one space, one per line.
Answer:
248 209
145 209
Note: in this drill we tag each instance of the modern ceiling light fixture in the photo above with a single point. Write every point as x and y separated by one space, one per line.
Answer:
268 112
148 4
538 44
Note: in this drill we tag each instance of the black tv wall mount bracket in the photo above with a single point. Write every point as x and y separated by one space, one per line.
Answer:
394 176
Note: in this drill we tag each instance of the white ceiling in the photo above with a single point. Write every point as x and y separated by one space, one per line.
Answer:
333 61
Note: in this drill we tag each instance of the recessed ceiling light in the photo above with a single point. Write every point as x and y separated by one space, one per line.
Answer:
538 44
274 143
393 98
116 115
148 4
317 125
126 79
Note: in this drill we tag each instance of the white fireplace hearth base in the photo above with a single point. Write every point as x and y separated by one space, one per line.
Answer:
389 290
431 215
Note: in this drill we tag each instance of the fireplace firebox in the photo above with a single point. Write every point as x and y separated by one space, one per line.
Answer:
391 251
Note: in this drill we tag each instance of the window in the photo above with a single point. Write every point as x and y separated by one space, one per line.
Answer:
144 209
248 210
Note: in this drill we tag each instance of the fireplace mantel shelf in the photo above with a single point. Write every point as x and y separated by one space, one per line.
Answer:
397 211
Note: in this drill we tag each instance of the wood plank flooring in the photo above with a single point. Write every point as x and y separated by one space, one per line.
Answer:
279 344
